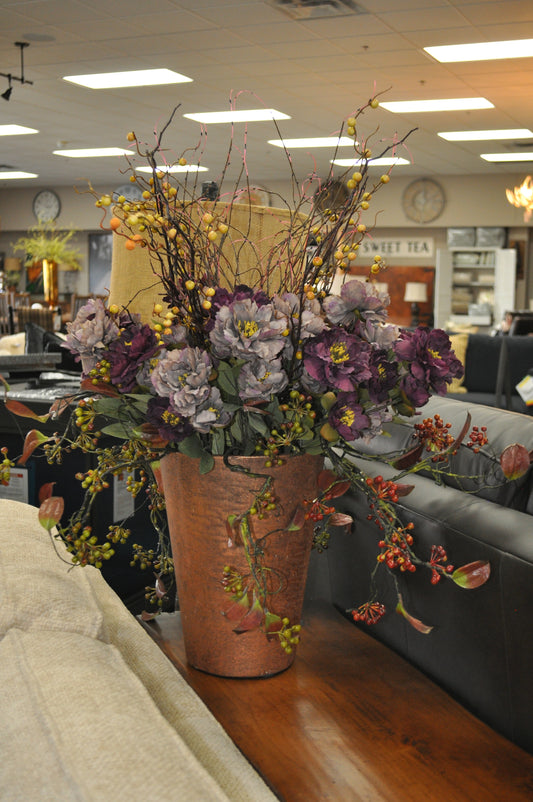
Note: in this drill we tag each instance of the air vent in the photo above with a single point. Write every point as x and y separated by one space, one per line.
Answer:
316 9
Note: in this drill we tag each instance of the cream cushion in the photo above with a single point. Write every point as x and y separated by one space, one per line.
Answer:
459 345
90 708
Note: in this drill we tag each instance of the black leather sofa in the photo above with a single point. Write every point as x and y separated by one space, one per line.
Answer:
493 367
481 647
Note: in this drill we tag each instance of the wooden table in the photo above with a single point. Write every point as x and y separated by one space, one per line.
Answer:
353 721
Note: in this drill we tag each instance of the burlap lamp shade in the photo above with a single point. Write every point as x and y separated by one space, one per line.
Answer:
256 233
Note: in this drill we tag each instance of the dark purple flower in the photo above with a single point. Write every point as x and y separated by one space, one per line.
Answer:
136 343
346 416
428 357
223 297
170 426
337 359
384 376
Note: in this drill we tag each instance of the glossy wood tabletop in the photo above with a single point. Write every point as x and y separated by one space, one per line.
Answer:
353 721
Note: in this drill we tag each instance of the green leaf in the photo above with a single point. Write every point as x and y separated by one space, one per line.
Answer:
226 379
207 462
259 425
116 430
236 429
218 442
191 447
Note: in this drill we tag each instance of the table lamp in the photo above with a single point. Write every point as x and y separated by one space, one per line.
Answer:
416 292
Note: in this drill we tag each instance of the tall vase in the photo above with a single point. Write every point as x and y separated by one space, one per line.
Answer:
50 285
203 544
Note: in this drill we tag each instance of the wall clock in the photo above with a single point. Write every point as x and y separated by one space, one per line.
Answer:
46 205
423 200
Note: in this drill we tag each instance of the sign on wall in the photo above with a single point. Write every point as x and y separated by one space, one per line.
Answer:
412 247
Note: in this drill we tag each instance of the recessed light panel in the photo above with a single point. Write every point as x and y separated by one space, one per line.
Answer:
507 157
16 174
89 153
444 104
113 80
174 168
233 116
474 136
483 51
381 162
313 142
16 130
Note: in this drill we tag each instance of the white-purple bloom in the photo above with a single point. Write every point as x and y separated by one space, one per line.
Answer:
211 413
183 376
247 331
357 300
260 379
307 315
91 331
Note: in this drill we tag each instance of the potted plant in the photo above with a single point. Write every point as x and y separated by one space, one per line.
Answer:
46 249
250 369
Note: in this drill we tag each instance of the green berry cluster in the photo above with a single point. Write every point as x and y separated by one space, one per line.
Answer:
84 546
289 636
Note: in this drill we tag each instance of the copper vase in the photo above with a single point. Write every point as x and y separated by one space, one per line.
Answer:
50 283
198 507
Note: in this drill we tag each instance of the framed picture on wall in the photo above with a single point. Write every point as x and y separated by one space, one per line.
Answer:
100 249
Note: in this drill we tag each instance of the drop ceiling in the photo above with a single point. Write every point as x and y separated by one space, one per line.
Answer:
316 66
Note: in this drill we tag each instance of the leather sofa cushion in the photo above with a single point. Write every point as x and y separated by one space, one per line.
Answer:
481 363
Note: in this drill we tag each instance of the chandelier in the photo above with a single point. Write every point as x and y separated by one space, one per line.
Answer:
522 196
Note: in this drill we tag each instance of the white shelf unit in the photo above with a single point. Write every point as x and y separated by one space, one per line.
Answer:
470 280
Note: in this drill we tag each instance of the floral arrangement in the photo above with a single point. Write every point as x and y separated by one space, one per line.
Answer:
273 365
45 242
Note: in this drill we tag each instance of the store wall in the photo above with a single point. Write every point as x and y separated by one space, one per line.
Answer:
470 201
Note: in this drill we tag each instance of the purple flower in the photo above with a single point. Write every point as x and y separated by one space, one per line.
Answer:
338 359
211 413
247 331
136 343
91 331
357 300
170 426
224 297
346 416
304 318
384 376
260 379
430 363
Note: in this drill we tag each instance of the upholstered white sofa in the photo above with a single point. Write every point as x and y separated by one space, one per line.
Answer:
90 708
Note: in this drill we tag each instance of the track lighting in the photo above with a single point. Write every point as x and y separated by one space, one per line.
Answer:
7 94
10 77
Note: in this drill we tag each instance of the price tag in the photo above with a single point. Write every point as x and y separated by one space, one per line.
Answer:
17 489
525 390
123 502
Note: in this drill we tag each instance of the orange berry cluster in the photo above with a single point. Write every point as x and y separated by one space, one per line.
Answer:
369 613
478 438
395 552
438 556
384 489
435 435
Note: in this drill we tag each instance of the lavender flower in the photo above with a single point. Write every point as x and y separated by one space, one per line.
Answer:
260 379
357 300
429 362
247 331
90 333
211 413
183 377
338 359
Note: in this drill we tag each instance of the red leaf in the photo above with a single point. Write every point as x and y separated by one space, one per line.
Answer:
50 512
145 616
404 490
160 589
45 491
325 479
102 388
339 488
415 622
33 440
20 409
462 434
472 575
252 619
515 461
238 609
297 520
409 458
340 519
60 405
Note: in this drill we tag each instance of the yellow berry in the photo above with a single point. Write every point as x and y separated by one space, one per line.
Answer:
190 285
374 103
130 137
361 228
357 177
385 179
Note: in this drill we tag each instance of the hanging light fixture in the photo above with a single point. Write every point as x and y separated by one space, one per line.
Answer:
522 196
10 77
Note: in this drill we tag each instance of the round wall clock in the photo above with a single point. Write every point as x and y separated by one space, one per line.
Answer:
423 200
46 205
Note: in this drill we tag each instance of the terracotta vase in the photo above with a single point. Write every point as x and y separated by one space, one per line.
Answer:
50 284
198 507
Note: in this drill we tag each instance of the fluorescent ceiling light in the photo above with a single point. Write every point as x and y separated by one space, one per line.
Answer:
242 116
15 130
450 104
381 162
507 157
483 51
501 133
111 80
16 174
89 153
313 142
174 168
